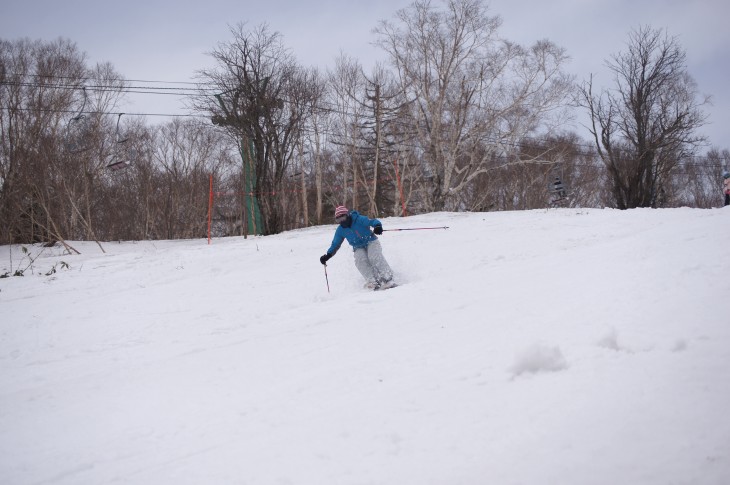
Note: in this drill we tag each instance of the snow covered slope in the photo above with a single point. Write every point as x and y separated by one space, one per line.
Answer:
565 347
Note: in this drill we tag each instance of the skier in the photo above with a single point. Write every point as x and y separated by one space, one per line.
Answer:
369 258
726 186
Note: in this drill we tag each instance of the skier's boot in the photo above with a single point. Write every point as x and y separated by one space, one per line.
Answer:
384 285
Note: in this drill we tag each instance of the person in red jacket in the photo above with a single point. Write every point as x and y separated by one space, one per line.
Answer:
369 260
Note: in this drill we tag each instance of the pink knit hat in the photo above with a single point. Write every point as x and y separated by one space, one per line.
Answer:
341 210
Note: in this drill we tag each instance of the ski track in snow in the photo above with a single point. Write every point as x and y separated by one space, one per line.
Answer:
562 346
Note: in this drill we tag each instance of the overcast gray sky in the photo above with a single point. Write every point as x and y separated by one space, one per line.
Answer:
168 40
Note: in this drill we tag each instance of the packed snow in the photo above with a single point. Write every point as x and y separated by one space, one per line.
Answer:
562 346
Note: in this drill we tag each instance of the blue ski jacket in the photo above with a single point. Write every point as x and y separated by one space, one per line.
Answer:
358 234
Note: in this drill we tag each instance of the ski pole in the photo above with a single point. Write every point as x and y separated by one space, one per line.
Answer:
326 278
416 228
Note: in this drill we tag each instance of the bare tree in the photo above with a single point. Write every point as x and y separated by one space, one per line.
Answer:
698 180
646 124
318 125
346 86
82 171
473 96
385 133
186 153
125 200
36 100
264 99
369 133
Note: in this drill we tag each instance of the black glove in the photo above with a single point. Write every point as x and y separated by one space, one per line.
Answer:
378 229
325 258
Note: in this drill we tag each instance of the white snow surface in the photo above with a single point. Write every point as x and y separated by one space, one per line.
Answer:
566 347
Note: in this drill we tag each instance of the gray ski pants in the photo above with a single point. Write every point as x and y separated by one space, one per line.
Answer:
372 264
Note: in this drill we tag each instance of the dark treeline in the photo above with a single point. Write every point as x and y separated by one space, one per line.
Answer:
458 120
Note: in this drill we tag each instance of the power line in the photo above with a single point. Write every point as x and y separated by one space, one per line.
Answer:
206 91
75 78
120 89
61 111
700 160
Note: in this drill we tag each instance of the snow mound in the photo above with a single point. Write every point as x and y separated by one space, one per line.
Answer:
539 358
